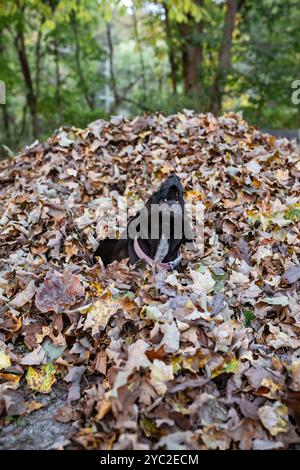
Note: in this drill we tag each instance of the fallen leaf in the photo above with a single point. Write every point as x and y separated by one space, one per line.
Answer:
282 300
160 374
36 357
41 380
24 296
74 377
4 360
99 314
292 274
136 359
202 282
101 362
274 417
64 414
296 375
58 292
14 403
171 337
103 409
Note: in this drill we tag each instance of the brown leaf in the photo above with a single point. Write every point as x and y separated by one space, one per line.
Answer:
25 296
64 414
14 402
74 377
58 292
101 362
156 353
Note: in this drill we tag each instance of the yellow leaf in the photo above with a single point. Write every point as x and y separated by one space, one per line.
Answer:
272 386
99 288
274 417
99 314
49 25
229 366
190 304
4 360
40 336
195 363
33 405
176 364
165 169
41 381
193 195
14 379
104 408
144 134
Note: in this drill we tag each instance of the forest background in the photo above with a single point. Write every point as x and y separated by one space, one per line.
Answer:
69 62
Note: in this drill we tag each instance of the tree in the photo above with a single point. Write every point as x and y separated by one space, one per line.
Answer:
224 61
192 52
61 59
32 91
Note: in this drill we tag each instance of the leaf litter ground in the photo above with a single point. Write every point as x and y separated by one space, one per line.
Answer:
127 359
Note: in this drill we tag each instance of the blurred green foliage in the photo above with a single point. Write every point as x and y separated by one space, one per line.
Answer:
69 62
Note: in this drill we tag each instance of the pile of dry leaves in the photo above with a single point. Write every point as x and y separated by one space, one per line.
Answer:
205 359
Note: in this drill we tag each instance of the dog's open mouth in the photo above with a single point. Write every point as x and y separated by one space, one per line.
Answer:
171 196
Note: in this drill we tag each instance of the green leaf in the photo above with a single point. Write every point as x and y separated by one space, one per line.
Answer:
148 426
232 366
293 213
248 316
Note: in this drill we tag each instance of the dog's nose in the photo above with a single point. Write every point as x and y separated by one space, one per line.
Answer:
173 180
173 177
171 188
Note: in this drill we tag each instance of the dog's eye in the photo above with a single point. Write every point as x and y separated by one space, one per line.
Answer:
166 200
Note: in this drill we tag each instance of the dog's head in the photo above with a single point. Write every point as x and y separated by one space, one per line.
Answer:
166 209
163 214
170 193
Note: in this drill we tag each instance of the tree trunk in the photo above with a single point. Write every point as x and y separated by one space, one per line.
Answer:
171 51
118 98
38 59
191 62
224 62
6 123
57 80
140 49
83 83
111 65
5 114
23 121
31 96
192 54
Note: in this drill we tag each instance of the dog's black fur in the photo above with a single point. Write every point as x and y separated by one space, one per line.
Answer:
169 194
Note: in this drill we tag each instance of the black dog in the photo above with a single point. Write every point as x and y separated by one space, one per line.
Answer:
154 234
